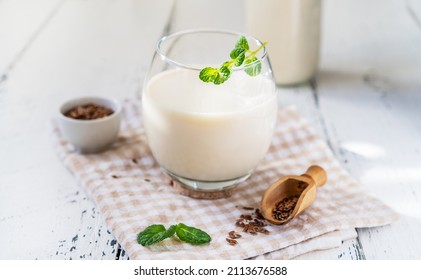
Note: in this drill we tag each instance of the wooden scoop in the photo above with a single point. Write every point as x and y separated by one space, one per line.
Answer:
302 187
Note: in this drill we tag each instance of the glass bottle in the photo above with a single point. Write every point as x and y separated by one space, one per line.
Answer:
292 29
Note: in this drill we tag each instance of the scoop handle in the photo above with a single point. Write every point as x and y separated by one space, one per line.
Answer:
317 174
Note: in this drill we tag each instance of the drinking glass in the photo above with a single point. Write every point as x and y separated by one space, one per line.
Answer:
208 137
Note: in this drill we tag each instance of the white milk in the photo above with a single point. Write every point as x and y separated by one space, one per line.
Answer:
292 29
209 132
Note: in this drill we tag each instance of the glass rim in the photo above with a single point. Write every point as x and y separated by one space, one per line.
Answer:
215 31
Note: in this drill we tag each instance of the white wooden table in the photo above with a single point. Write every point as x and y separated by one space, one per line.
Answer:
366 103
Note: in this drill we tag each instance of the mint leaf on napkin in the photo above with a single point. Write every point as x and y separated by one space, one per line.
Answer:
154 233
157 232
192 235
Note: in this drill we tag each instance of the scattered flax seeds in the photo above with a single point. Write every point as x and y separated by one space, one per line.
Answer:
232 235
114 176
283 209
252 223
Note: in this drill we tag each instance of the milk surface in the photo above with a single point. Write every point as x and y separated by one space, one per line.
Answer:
209 132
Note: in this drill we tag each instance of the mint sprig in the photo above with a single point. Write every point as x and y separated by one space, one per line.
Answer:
156 233
240 55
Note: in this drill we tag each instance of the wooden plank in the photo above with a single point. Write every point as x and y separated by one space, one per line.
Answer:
106 51
368 94
414 10
20 23
341 84
349 250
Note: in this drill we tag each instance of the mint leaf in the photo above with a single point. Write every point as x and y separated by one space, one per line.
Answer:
236 52
239 55
242 43
224 72
216 76
222 75
209 74
253 66
155 233
148 233
192 235
240 59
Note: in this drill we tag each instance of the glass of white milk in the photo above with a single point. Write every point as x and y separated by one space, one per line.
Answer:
207 137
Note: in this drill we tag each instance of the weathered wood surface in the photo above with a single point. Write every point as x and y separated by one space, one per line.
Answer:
365 102
71 48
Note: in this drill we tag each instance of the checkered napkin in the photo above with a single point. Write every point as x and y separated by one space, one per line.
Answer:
132 193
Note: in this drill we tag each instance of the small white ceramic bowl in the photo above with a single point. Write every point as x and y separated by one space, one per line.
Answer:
90 136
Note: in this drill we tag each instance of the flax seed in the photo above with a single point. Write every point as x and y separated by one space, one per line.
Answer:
258 214
240 223
263 230
231 242
246 217
234 235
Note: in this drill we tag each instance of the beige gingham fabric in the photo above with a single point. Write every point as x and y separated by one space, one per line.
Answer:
327 241
132 193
